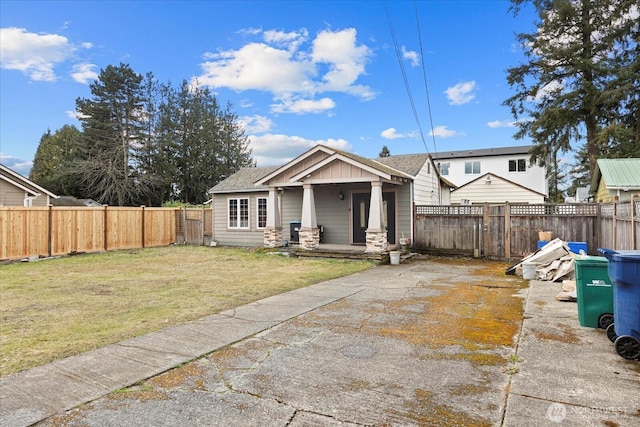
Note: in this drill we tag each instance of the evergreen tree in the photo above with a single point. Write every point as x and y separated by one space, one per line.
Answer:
112 123
384 152
578 61
197 142
56 159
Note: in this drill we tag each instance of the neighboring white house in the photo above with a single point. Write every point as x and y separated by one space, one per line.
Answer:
520 181
490 188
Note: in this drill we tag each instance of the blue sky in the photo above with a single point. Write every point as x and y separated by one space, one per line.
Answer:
298 73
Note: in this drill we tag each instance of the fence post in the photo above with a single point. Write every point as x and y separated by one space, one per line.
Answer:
106 231
613 225
142 225
485 220
50 232
633 221
507 230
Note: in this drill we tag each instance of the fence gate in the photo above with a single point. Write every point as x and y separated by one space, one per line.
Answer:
194 226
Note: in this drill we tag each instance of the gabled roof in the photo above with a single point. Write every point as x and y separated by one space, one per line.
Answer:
23 183
493 175
333 154
618 174
243 180
483 152
408 163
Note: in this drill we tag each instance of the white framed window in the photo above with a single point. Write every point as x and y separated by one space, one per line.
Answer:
518 165
238 213
471 168
444 168
261 211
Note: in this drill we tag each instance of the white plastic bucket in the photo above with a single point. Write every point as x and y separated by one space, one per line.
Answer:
394 257
529 270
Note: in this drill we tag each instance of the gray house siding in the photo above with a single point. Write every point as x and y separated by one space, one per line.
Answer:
10 195
253 236
291 209
404 211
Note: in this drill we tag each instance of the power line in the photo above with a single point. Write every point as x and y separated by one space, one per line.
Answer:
424 73
404 75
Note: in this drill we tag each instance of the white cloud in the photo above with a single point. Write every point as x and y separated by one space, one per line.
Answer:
501 124
257 66
412 56
34 54
303 106
291 41
292 67
84 73
346 61
391 133
442 132
256 124
461 94
278 149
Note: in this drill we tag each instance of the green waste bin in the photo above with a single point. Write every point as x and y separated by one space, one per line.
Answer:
595 292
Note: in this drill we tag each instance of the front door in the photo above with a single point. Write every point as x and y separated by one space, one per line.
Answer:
360 216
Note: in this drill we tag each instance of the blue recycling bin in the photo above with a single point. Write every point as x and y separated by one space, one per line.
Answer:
624 272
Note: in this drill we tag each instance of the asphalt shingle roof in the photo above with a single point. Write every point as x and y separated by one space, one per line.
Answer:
243 180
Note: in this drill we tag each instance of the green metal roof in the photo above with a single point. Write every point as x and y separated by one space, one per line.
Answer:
618 173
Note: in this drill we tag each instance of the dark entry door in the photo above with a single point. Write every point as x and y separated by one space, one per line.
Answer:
360 216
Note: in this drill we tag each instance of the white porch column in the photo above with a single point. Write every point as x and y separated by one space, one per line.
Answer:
376 215
274 218
376 231
308 208
309 232
273 229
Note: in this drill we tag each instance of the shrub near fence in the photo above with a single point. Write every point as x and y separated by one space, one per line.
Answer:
50 231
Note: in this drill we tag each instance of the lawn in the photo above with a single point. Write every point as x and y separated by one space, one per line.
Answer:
56 308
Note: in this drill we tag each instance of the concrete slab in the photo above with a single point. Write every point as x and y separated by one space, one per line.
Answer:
414 344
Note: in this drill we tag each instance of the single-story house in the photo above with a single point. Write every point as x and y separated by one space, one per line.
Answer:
326 195
491 188
16 190
73 201
615 179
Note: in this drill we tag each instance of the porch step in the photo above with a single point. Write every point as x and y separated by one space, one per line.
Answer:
343 254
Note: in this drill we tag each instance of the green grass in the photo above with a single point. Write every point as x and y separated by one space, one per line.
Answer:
57 308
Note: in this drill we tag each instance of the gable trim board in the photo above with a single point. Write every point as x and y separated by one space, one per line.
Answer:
487 184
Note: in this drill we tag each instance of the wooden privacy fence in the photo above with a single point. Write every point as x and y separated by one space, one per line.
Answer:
510 231
51 231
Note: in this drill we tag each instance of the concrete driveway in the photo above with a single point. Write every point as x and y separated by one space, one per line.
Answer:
433 342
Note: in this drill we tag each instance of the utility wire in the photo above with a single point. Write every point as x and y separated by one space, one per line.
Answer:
408 88
424 73
404 74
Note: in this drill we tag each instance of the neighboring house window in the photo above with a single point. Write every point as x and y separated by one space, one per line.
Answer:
262 212
471 168
519 165
444 168
238 213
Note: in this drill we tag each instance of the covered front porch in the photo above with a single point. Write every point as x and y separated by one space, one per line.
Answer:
355 198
